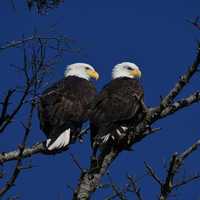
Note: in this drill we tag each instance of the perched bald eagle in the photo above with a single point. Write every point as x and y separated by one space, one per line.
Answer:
64 106
117 106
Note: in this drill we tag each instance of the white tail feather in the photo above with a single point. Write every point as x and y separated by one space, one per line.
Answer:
48 142
118 132
105 138
61 142
125 128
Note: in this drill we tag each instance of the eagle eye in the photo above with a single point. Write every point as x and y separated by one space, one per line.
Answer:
87 68
129 68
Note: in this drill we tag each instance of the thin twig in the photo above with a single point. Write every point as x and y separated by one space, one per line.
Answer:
18 167
77 163
135 187
176 162
152 173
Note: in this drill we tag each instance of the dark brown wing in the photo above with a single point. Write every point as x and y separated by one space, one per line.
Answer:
117 103
65 105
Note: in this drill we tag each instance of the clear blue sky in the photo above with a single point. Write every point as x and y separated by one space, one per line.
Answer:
153 34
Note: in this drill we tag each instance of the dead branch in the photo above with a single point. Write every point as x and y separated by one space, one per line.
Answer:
27 152
116 190
90 180
195 22
59 43
176 162
43 6
76 161
34 69
38 148
151 172
186 181
18 167
184 79
36 65
133 187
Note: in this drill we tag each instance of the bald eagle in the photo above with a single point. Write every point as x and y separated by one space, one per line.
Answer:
64 106
117 106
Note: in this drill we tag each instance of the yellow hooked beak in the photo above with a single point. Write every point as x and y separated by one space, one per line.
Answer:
136 73
93 74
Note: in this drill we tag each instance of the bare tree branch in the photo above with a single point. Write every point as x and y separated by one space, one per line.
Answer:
34 69
43 6
18 167
90 180
186 181
152 173
193 98
195 22
29 151
176 162
135 188
77 163
116 190
184 79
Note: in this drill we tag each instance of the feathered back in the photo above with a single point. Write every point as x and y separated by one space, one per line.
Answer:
117 104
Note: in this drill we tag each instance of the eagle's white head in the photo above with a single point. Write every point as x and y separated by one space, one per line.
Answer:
81 70
126 69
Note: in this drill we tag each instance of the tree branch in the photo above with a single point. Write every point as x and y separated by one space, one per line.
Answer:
135 188
152 173
29 151
176 162
184 79
18 167
116 190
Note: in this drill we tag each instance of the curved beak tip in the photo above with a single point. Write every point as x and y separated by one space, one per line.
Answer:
136 73
93 74
97 76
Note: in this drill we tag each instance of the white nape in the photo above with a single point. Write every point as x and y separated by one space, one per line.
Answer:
61 142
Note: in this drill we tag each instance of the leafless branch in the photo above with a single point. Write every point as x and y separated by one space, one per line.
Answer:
90 180
34 69
16 43
193 98
29 151
36 65
176 162
182 82
43 6
116 190
186 181
5 105
152 173
134 186
18 167
190 150
77 163
59 43
195 22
